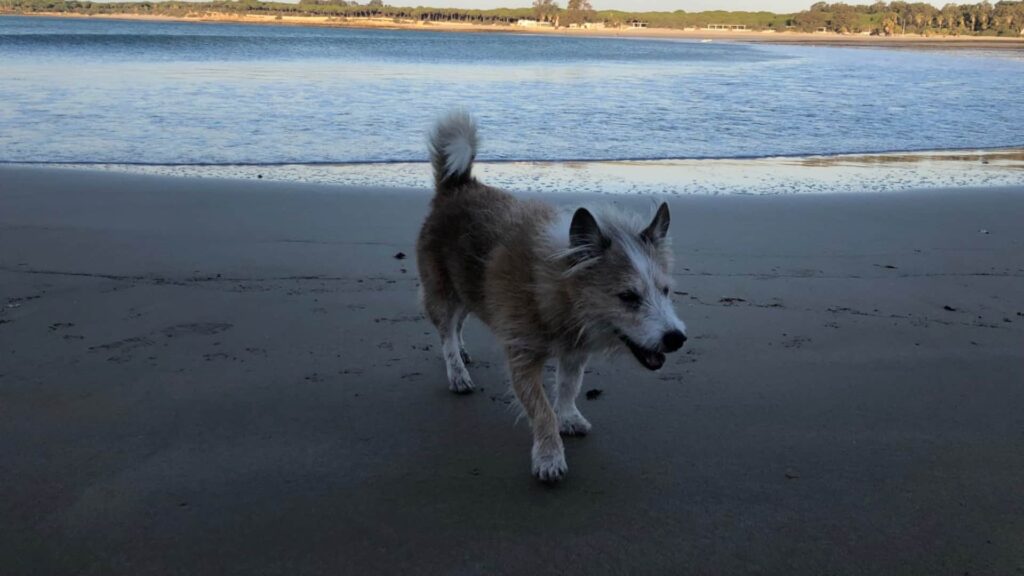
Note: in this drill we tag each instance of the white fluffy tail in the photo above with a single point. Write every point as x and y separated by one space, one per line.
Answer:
452 147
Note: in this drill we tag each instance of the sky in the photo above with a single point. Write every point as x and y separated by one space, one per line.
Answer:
642 5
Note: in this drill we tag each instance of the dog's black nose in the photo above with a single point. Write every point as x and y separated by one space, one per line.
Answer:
673 340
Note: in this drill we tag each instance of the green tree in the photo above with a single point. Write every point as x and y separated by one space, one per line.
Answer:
844 19
579 11
810 20
952 16
545 10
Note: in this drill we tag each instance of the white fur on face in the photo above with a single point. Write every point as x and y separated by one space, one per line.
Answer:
631 264
657 314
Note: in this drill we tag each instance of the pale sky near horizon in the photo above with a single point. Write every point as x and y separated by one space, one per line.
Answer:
642 5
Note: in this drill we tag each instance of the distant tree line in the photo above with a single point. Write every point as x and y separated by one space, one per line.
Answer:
999 19
1004 18
333 8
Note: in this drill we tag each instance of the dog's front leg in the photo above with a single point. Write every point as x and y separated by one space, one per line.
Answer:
567 387
528 383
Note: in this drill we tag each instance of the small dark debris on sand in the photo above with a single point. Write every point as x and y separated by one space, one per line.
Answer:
260 176
730 301
400 256
949 308
593 393
889 266
792 474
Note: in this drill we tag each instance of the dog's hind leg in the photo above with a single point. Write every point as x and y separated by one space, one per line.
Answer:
548 453
446 311
447 320
451 345
466 358
568 381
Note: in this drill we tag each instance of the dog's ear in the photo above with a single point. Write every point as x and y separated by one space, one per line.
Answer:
584 231
658 228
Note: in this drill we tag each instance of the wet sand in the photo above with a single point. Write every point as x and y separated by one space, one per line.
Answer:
232 377
841 173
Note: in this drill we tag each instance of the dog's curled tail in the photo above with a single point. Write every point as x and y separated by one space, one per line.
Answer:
452 149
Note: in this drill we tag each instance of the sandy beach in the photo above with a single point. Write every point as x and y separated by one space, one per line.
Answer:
817 38
206 376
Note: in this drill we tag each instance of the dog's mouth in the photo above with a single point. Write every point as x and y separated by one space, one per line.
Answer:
651 359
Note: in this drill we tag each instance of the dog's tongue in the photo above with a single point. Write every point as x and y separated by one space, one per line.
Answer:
654 360
651 359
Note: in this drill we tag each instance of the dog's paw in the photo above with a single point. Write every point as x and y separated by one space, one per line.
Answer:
460 384
549 462
573 424
466 358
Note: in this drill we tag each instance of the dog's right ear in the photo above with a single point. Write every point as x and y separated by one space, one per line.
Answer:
658 228
584 232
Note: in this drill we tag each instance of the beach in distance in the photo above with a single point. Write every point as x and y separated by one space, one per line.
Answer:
233 377
824 38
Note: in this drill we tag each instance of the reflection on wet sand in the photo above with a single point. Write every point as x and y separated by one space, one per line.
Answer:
758 176
1010 158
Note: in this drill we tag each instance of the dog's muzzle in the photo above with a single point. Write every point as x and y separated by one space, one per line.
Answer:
651 359
673 341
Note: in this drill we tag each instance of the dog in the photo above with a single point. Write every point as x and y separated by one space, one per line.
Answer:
548 284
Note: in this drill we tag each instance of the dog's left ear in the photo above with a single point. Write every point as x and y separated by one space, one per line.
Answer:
585 232
658 228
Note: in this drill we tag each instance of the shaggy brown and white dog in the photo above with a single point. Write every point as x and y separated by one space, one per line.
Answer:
549 285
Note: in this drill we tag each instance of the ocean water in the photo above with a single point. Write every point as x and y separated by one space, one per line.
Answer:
152 93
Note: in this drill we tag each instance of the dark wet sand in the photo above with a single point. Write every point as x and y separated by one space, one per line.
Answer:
226 377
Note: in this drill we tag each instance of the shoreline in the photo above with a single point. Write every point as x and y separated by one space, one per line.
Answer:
219 367
1012 151
777 175
796 38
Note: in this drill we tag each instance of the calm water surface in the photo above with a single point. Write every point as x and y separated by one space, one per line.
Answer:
181 93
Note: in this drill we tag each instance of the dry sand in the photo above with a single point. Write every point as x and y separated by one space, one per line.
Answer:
226 377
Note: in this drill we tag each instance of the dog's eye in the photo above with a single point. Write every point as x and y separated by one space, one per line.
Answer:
630 298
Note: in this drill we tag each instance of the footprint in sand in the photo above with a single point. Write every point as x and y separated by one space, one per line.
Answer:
124 349
198 328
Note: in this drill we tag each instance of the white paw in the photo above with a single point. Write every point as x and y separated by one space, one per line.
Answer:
460 383
549 462
573 424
